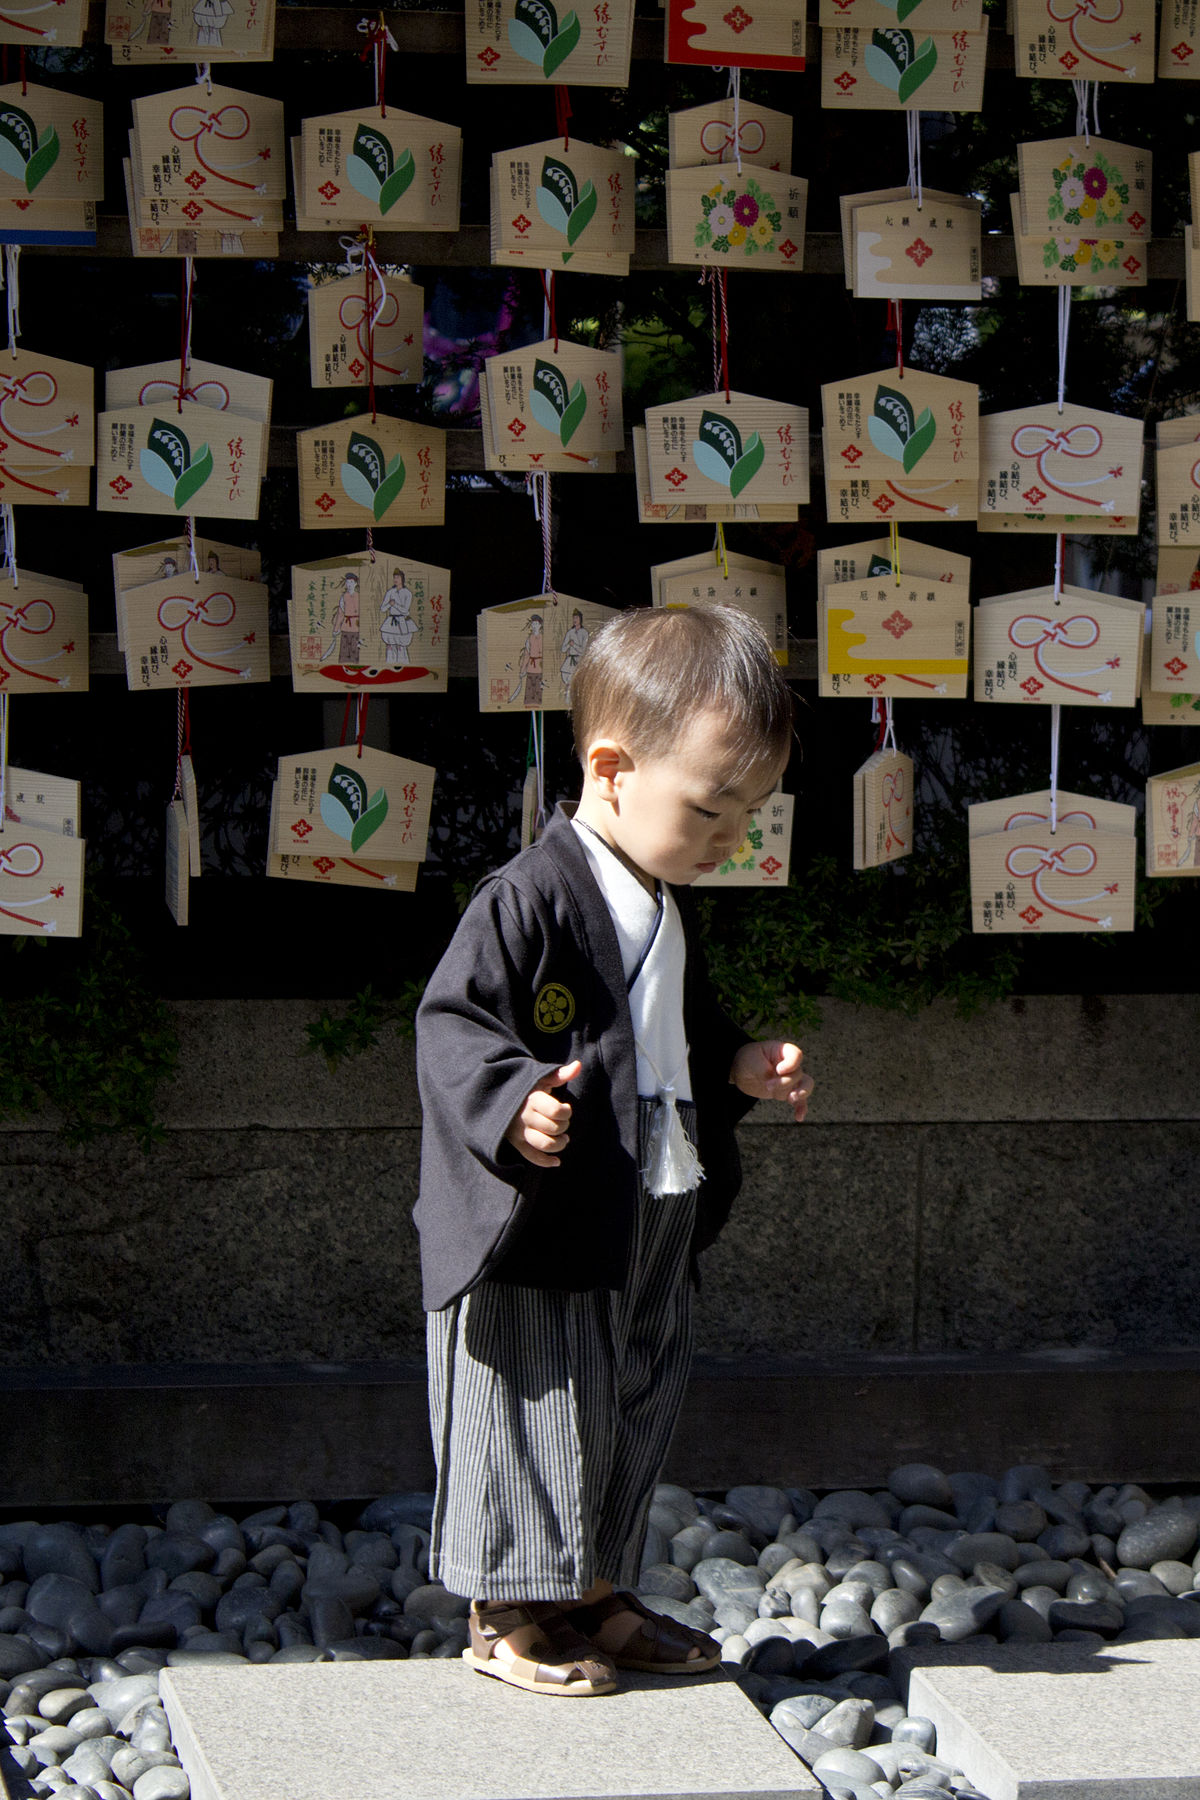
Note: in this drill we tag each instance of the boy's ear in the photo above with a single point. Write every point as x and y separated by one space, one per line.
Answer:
604 761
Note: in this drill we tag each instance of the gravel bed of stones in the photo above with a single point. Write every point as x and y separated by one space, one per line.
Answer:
808 1596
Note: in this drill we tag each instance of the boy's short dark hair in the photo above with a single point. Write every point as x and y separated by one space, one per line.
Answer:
647 673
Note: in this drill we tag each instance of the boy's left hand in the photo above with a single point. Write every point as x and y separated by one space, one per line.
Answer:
771 1071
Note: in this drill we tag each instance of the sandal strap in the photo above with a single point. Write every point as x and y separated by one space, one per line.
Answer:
655 1636
537 1638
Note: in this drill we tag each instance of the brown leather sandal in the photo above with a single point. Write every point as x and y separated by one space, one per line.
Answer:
632 1636
531 1644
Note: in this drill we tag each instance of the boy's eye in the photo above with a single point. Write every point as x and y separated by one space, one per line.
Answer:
707 815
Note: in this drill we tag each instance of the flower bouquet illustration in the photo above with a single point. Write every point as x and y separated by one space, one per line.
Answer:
747 222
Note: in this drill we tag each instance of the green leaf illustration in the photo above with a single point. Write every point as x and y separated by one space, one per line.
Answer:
906 7
18 141
348 786
193 478
398 182
373 148
374 815
921 70
920 441
336 817
540 19
878 565
746 467
357 486
560 180
549 387
562 46
527 44
581 217
169 443
365 454
573 417
43 159
552 210
721 435
389 487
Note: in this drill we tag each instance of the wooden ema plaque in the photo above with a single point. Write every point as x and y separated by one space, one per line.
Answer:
892 69
880 638
161 52
886 427
1039 461
709 134
381 471
51 144
529 650
752 220
758 587
1085 649
872 560
1026 878
357 333
177 863
33 23
399 173
554 405
1076 40
1175 643
1039 892
1177 492
535 42
43 635
849 204
393 877
47 429
883 809
41 880
216 159
554 207
181 632
1174 708
709 32
1173 822
1178 41
694 511
229 238
1082 260
363 803
903 251
182 460
763 858
1071 188
204 30
925 15
369 624
44 803
154 562
206 384
739 447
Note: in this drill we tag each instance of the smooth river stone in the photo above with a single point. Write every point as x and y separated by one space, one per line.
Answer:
845 1619
846 1654
733 1547
57 1706
719 1578
852 1507
687 1546
909 1577
894 1607
1165 1534
1022 1480
1020 1623
983 1546
921 1484
926 1517
60 1550
764 1508
1176 1577
853 1765
53 1598
1132 1582
1103 1616
1020 1519
18 1656
774 1558
124 1556
1060 1542
175 1552
961 1615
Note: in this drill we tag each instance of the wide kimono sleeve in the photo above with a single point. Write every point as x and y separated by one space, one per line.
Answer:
475 1068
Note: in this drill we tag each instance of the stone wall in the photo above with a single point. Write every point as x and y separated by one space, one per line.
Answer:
1021 1181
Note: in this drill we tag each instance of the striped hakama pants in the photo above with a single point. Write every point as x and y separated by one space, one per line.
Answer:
552 1412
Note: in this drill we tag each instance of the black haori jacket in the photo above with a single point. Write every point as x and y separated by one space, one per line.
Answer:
533 979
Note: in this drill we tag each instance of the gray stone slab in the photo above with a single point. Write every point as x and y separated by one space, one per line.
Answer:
1060 1722
435 1730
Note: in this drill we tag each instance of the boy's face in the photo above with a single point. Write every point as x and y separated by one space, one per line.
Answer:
676 816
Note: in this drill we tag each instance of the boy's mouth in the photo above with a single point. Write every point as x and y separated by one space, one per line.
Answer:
706 868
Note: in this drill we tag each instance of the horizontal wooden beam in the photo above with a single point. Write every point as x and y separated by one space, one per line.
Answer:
115 1436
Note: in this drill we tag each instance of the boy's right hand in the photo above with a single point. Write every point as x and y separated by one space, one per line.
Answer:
539 1131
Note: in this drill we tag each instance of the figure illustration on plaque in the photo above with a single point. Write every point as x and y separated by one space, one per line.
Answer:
573 646
529 669
211 17
397 627
347 630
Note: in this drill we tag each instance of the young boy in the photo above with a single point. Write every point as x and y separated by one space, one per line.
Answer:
580 1087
